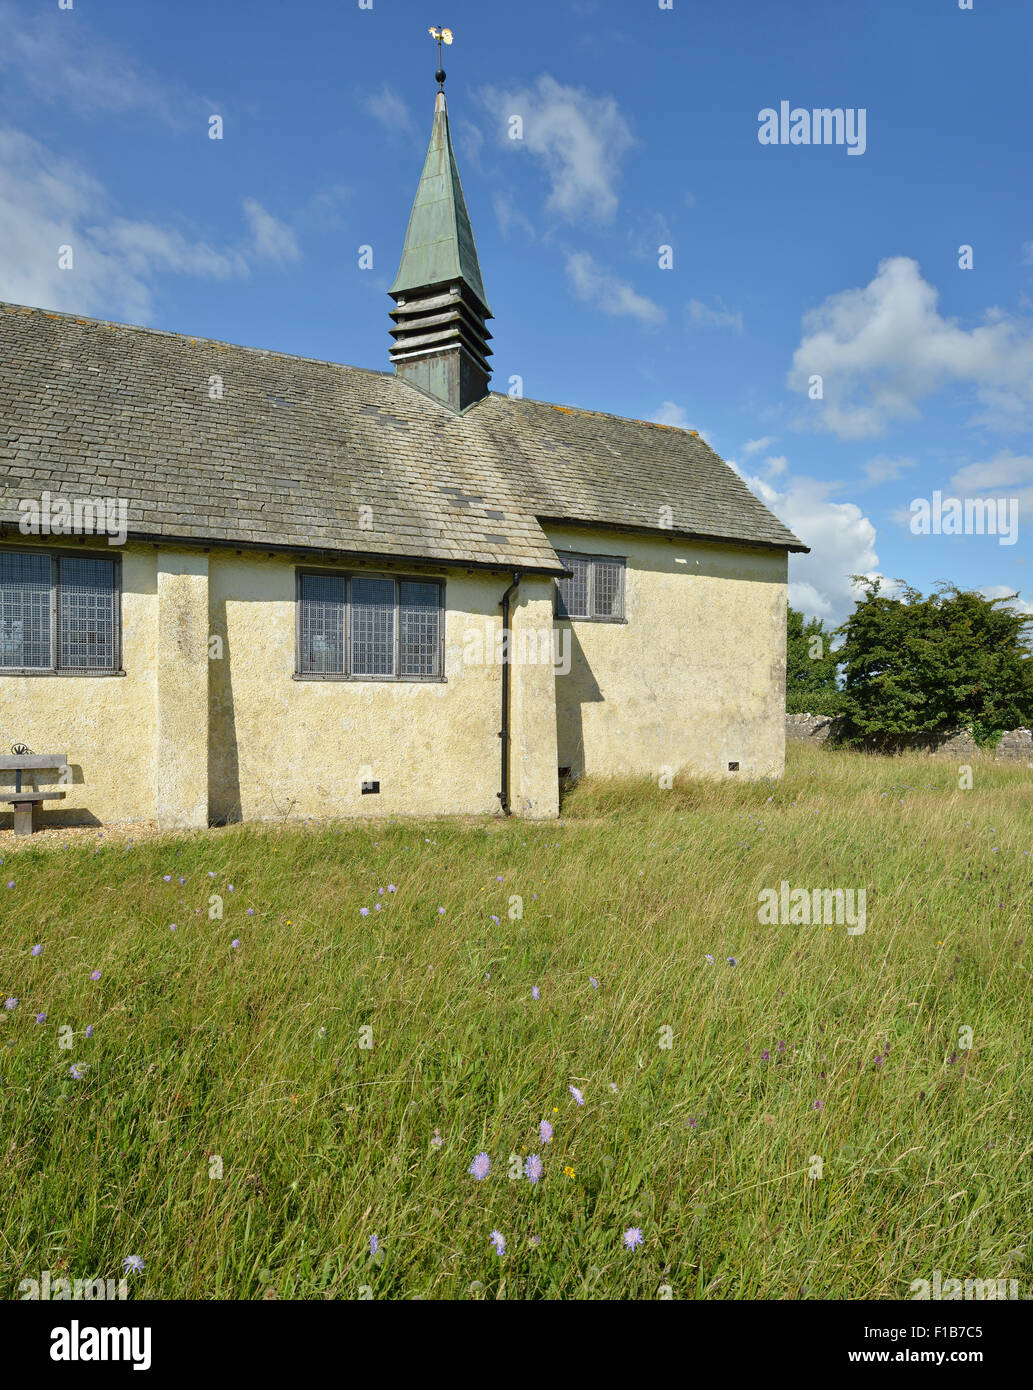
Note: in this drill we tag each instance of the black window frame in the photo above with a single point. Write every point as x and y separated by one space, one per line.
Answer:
347 576
559 606
57 621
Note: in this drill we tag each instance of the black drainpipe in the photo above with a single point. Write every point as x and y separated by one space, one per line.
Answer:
504 731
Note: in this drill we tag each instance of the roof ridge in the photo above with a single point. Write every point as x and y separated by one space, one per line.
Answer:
8 306
609 415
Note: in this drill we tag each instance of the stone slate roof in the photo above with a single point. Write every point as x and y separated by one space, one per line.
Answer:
295 447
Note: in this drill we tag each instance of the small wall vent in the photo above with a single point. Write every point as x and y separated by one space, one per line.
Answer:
371 789
733 767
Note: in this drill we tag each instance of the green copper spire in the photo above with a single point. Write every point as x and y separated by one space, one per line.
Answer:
441 338
439 247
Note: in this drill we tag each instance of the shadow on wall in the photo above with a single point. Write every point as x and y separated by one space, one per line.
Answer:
577 688
224 804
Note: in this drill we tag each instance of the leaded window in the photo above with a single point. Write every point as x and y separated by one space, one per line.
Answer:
367 627
58 613
594 588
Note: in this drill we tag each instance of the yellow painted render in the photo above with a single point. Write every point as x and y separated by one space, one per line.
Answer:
285 747
209 721
106 725
181 752
694 679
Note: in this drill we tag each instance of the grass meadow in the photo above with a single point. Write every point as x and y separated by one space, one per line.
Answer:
245 1117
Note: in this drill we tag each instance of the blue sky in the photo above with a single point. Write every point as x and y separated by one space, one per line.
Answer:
640 130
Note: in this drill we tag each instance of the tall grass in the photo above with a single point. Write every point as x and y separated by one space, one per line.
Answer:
249 1061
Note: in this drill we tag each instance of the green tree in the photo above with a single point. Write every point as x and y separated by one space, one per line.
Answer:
811 686
917 665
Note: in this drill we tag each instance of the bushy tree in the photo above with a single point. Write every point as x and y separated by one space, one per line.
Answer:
917 665
811 686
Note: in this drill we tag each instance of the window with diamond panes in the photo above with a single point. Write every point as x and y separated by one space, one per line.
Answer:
594 589
58 613
369 628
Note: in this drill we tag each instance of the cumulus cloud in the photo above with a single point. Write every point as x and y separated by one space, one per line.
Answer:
271 239
580 140
48 201
714 318
756 446
58 63
1019 604
389 108
598 287
841 538
883 349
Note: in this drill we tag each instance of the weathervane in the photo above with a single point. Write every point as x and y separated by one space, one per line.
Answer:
442 36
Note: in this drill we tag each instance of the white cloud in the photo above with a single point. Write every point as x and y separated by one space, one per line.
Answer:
886 470
755 446
1020 605
48 201
61 63
714 318
389 108
671 414
776 465
510 216
580 139
272 240
841 540
883 349
597 286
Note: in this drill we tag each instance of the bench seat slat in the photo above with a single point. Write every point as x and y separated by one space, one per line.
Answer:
32 761
33 796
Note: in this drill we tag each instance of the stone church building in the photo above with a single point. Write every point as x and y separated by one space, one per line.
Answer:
237 584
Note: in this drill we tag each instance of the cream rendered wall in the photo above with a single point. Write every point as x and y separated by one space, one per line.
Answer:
181 754
534 770
694 679
281 746
106 725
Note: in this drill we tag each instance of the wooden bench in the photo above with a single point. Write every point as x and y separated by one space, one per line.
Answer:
28 804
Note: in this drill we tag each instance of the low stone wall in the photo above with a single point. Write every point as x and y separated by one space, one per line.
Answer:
1015 746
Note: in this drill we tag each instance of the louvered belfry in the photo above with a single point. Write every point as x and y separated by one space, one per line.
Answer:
440 333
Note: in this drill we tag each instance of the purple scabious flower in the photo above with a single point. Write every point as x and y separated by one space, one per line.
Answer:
37 951
251 912
441 912
495 919
499 1242
709 960
11 1003
94 974
577 1095
818 1105
731 961
235 943
534 992
77 1070
533 1168
363 911
593 982
480 1167
633 1237
41 1018
545 1132
374 1244
765 1055
89 1030
391 888
11 883
172 926
167 878
133 1264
